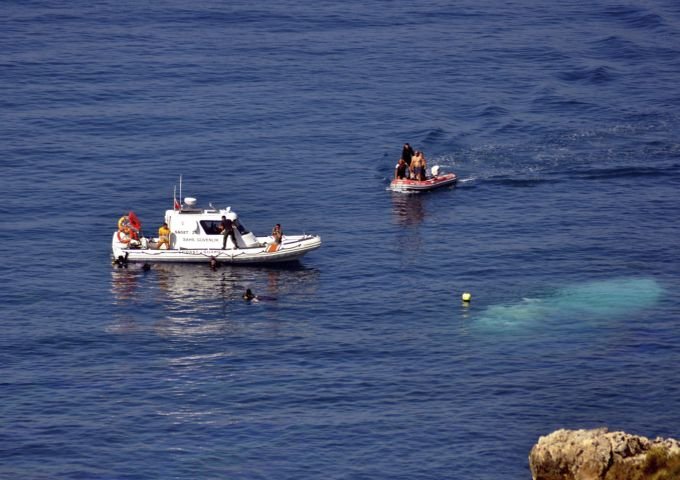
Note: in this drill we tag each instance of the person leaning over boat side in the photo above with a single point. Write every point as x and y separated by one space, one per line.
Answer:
163 236
407 153
227 230
400 170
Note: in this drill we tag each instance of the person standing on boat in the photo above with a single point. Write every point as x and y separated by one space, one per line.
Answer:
401 169
164 236
418 166
415 167
407 153
227 229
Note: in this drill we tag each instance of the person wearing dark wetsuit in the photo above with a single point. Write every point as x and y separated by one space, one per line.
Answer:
227 229
407 153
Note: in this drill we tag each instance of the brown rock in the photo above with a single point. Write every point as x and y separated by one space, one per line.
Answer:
592 454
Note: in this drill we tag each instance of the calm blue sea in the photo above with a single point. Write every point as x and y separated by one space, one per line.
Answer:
562 121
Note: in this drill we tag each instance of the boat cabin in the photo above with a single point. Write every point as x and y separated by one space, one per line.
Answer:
197 228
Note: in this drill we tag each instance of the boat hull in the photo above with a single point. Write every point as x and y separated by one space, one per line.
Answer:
407 185
292 248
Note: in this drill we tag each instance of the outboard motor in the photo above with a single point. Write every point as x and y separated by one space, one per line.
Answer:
435 170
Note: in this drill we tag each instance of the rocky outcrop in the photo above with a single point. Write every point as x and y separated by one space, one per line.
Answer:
602 455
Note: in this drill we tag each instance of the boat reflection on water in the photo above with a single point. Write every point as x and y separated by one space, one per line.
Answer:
189 283
408 209
124 283
191 299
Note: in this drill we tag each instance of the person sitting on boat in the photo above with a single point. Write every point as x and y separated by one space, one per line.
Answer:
277 234
401 169
227 230
164 236
407 153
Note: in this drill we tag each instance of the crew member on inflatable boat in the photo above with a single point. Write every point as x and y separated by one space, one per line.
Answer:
400 170
418 166
407 153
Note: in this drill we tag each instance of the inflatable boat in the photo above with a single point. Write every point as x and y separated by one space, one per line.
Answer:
436 180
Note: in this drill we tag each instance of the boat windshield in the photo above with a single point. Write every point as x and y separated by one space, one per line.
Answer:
241 229
212 227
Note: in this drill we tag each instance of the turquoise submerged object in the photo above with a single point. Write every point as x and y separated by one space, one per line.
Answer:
595 300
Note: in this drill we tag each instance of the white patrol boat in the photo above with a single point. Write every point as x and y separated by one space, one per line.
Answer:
195 235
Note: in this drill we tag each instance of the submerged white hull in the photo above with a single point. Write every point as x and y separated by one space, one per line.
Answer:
292 248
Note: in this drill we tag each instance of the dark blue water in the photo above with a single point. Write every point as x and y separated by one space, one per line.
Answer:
562 123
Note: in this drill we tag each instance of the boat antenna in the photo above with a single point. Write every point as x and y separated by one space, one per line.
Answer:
180 188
